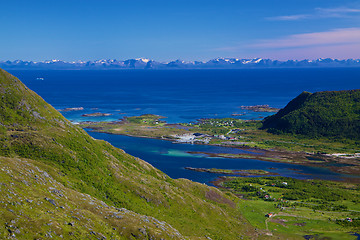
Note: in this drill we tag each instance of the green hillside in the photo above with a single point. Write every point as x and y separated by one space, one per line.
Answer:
56 180
327 114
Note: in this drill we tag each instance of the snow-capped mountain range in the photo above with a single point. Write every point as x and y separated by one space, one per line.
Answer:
143 63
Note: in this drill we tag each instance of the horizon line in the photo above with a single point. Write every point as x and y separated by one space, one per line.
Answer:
144 59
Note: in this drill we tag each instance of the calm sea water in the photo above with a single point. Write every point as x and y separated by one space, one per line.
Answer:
184 96
181 95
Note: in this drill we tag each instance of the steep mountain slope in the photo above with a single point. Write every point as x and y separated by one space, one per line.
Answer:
329 114
35 206
38 145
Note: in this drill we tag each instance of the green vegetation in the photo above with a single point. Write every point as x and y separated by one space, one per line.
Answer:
147 125
287 147
33 131
35 205
322 114
216 127
148 119
250 134
252 172
299 207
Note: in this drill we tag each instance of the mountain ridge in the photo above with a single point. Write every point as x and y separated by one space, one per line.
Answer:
143 63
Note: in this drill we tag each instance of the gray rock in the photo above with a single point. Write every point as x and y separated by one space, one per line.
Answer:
53 190
37 115
117 216
143 231
51 201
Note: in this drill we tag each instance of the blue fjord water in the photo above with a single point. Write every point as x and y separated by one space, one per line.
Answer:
172 158
184 96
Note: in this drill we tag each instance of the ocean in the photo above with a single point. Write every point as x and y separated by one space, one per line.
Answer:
181 95
185 96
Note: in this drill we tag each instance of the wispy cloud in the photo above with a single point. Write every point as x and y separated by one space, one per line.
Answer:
340 12
341 36
290 17
340 43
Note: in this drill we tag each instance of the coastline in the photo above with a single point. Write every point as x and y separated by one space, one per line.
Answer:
336 164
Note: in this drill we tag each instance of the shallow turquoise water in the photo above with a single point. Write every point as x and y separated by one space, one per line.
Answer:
172 158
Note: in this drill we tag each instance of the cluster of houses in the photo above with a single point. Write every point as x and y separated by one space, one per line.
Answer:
192 138
199 137
268 197
223 137
282 184
217 122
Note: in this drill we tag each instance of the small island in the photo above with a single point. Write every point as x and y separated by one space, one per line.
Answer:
260 108
244 172
98 114
71 109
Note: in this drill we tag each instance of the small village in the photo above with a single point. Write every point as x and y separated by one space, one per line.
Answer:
216 129
199 137
291 202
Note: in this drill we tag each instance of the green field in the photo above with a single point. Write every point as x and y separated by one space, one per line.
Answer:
299 207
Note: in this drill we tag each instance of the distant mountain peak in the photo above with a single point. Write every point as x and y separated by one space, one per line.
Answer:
145 63
145 60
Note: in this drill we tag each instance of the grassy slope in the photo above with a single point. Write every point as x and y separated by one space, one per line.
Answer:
30 128
329 114
36 205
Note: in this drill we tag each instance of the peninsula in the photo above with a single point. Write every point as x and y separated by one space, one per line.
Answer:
338 155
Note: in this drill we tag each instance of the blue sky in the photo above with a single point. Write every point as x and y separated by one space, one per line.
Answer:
189 30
